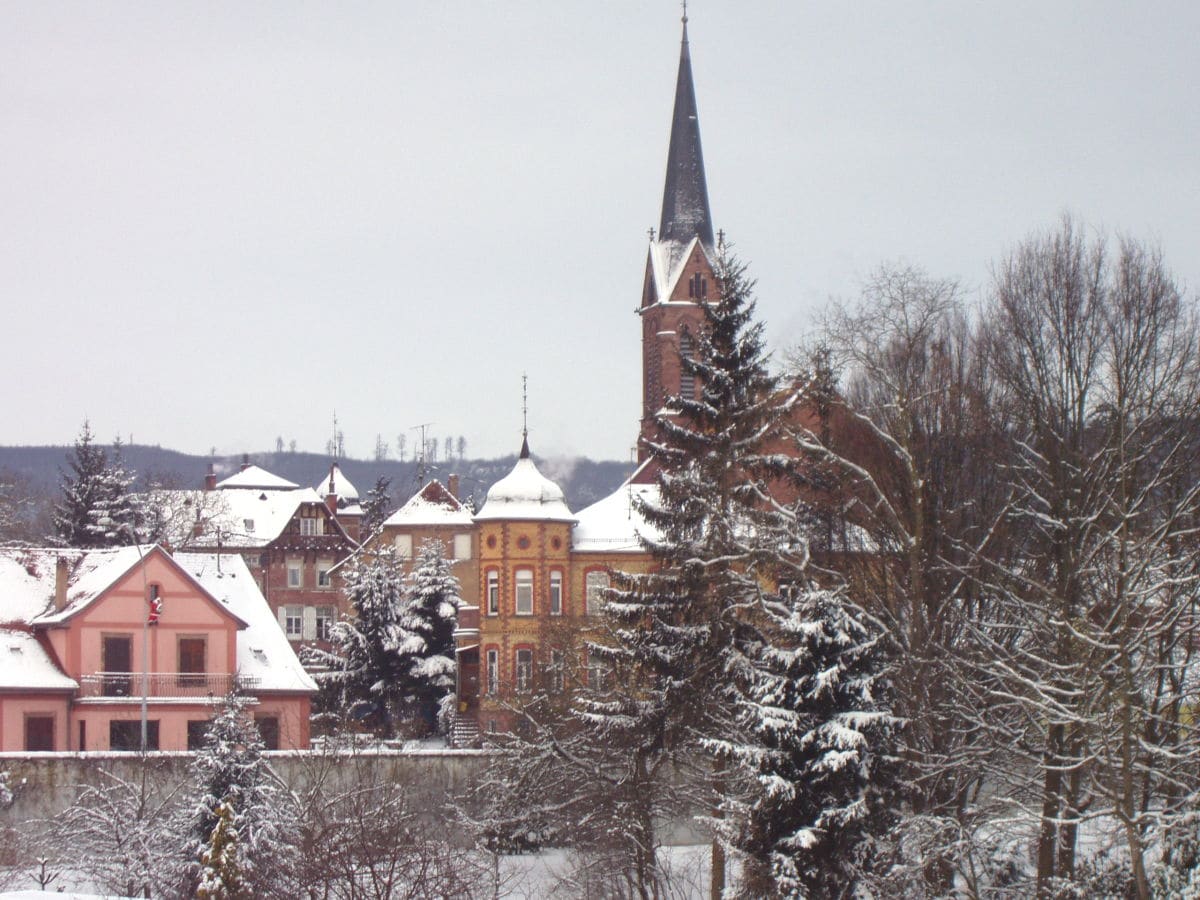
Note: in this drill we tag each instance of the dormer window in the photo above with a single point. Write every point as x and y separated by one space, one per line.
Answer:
698 287
311 526
248 524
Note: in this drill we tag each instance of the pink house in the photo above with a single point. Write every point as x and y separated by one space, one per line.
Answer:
79 655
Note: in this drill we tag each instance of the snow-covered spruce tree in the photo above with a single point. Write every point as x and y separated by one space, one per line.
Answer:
429 617
377 505
229 771
97 507
713 647
370 661
815 707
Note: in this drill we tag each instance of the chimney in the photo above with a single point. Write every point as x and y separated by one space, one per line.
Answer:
452 486
245 462
210 478
331 503
61 572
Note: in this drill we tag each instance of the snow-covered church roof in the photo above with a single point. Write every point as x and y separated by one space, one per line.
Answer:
525 493
614 523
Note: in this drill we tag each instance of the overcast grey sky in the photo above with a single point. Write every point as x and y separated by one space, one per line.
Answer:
220 222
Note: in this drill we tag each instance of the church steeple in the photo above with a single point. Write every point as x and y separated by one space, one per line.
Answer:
685 212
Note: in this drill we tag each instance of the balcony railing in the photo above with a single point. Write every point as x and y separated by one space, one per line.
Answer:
163 684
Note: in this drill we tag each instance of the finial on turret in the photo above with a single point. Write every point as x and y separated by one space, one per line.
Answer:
683 3
524 405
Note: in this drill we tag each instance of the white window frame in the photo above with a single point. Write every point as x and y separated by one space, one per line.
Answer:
325 617
311 526
493 672
556 592
324 579
403 544
462 546
595 581
293 622
523 669
493 592
298 569
523 592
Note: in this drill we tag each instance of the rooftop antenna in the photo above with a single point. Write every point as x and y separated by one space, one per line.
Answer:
334 443
422 468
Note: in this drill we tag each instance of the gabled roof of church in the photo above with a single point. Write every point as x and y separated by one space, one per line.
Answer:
685 211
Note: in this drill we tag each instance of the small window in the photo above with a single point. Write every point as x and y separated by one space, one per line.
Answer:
248 524
153 589
295 575
524 670
404 545
556 593
324 579
524 586
326 616
698 287
597 582
493 672
493 592
39 733
462 546
252 560
197 731
312 526
293 622
597 673
268 729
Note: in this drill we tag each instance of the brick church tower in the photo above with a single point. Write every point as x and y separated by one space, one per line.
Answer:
680 262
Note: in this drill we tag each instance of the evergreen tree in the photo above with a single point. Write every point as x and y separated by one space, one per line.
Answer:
220 877
720 654
814 708
430 617
232 780
97 509
377 505
370 659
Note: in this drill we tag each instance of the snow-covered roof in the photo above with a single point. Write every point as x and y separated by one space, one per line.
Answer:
26 665
525 493
341 485
667 262
237 518
263 651
28 575
256 477
432 505
612 525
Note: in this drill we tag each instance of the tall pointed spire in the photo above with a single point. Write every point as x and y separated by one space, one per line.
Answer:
685 212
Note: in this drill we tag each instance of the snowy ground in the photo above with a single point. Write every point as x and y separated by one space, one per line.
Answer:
553 874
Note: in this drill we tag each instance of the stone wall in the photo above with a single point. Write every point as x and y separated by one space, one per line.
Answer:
44 784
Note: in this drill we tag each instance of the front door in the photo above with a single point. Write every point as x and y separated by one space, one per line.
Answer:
117 652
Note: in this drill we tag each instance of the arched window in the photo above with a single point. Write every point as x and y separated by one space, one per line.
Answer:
687 381
596 582
523 581
698 287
